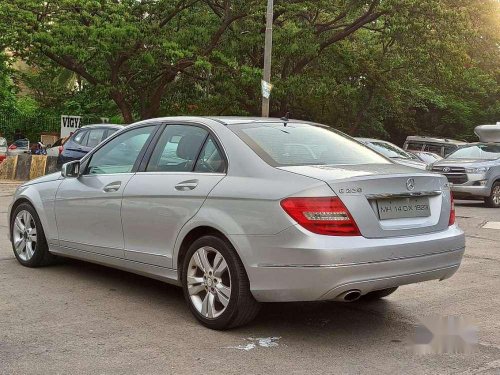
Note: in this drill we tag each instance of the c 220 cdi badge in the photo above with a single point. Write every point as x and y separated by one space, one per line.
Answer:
240 211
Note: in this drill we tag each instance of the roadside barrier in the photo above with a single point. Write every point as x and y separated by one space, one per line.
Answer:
27 167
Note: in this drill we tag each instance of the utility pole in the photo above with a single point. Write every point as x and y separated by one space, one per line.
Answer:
268 47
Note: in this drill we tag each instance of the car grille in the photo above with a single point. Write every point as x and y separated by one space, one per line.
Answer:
455 175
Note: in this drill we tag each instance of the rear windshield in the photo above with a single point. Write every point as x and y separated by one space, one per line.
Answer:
478 151
297 144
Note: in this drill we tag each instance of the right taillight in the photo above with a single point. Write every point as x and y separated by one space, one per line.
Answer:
61 148
452 210
322 215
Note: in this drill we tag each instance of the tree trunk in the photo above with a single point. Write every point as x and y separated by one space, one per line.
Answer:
124 107
360 116
152 107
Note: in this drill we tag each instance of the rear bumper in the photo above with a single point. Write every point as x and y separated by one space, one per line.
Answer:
304 272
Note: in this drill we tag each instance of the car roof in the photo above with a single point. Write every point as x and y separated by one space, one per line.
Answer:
229 120
107 126
424 138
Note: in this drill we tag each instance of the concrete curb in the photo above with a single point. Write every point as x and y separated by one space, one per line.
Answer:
27 167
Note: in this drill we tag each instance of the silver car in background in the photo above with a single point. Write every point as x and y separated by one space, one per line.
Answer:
393 152
474 170
235 212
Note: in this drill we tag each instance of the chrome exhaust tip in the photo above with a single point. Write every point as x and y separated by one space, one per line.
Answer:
349 296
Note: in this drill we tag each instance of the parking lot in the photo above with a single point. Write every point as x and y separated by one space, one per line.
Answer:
76 317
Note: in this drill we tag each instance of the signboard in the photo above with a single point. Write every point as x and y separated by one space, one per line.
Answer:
266 89
70 124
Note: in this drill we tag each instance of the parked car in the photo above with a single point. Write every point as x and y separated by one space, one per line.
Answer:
21 146
440 146
427 157
474 170
222 207
57 148
393 152
3 149
84 140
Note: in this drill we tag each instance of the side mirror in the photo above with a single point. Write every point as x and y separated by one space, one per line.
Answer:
71 169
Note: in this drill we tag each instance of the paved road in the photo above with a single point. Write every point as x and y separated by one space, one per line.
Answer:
82 318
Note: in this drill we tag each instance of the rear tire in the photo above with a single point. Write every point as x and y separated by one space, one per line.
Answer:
378 294
493 200
216 286
28 238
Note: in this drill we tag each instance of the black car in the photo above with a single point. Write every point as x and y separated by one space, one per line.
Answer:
84 140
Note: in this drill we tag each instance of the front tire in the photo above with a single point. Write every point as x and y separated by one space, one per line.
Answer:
493 200
216 286
28 238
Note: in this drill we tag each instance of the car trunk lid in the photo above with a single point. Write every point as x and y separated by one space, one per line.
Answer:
378 195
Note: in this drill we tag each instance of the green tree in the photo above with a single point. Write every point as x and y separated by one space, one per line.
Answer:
7 88
371 67
130 50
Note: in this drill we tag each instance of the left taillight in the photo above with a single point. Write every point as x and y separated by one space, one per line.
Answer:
12 147
322 215
452 210
61 148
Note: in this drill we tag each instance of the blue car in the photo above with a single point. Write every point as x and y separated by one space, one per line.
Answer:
84 140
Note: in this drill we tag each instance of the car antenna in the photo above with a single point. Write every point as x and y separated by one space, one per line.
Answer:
285 118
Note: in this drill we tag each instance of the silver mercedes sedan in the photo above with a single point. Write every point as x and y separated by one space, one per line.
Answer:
240 211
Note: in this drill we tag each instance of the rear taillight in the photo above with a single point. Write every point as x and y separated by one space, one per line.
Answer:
61 148
452 210
326 215
12 147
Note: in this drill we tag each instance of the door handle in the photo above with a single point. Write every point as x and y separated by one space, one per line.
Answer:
114 186
186 185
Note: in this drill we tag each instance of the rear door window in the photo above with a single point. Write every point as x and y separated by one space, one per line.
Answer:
177 149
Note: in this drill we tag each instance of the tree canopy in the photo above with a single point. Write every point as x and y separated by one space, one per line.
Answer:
371 67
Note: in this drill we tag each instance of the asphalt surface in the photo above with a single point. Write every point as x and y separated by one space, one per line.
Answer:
80 318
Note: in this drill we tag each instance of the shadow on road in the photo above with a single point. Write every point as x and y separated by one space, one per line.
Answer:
339 321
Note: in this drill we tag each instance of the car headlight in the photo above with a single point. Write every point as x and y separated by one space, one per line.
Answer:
477 170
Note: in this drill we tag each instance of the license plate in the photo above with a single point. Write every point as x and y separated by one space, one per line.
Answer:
399 208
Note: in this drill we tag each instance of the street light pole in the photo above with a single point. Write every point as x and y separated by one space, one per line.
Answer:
268 47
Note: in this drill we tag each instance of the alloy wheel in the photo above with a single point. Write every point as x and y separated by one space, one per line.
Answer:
24 235
209 282
496 195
